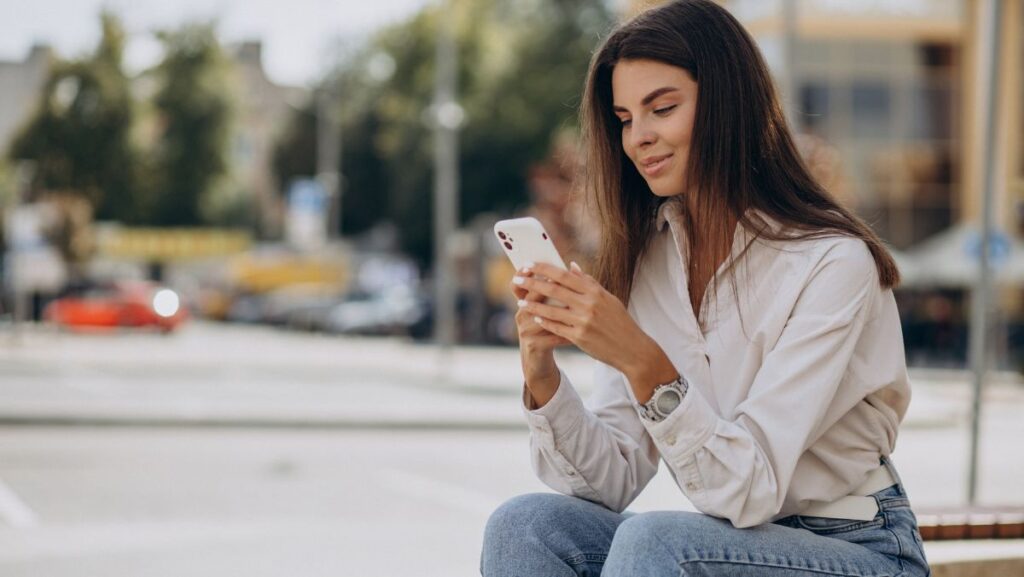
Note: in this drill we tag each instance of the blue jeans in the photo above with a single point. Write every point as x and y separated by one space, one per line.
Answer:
549 535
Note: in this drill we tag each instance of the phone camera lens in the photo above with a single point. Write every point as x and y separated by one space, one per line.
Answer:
508 245
545 235
501 235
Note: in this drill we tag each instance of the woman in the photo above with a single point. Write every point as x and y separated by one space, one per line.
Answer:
774 402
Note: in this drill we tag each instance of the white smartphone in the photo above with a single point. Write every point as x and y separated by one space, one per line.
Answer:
524 240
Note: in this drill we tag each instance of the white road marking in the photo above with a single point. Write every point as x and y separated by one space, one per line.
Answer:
440 492
13 510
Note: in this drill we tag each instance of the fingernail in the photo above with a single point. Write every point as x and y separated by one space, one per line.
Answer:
521 303
538 320
575 266
518 280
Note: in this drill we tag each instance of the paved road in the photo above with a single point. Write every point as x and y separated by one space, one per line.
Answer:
216 374
83 502
337 500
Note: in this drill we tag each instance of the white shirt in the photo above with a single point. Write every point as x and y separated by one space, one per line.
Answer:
798 413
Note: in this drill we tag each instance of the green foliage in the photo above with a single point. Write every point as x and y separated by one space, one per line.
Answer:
194 112
522 64
80 137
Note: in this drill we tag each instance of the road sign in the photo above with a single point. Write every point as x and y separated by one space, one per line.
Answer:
998 247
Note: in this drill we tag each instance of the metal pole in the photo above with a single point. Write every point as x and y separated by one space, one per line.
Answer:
446 178
787 77
980 300
328 155
24 172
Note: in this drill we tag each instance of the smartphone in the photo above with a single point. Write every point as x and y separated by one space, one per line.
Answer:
524 240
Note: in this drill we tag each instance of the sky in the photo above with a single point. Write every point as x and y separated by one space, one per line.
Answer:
297 35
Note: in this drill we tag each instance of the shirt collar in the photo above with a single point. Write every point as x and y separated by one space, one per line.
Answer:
671 211
670 208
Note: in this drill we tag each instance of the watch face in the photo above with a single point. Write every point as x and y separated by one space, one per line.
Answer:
668 401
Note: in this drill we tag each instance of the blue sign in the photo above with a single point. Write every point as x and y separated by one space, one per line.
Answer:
308 196
998 247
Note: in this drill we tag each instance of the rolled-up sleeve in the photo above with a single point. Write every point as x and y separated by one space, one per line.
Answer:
601 453
739 468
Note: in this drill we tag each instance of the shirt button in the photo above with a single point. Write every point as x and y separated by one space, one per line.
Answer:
691 486
571 472
671 440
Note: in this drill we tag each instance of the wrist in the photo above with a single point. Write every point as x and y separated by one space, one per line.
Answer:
652 368
541 390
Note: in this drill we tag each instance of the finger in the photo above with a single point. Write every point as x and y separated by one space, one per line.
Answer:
555 327
571 280
546 342
522 294
550 341
526 323
529 329
551 290
518 290
546 311
533 297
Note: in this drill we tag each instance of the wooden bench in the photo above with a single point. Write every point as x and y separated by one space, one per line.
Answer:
960 523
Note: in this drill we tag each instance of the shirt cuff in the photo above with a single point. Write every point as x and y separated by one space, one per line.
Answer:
685 430
559 416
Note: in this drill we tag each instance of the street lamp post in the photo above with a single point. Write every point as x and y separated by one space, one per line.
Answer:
447 117
788 77
980 297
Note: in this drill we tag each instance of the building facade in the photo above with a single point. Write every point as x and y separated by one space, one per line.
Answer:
898 88
20 86
264 109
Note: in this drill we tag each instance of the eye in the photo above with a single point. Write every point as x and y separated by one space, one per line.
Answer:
625 122
665 110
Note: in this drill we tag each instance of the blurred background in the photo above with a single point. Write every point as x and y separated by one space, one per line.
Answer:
252 316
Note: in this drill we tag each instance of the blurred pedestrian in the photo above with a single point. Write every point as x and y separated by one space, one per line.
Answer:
774 402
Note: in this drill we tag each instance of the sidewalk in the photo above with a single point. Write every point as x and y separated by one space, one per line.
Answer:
237 376
229 375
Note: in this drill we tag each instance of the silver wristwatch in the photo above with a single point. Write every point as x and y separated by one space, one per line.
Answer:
666 398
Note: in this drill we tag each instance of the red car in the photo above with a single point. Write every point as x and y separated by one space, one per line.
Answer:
122 304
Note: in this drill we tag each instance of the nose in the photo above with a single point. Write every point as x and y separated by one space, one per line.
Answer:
641 135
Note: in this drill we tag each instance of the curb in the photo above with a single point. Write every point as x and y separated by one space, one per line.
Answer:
170 422
980 558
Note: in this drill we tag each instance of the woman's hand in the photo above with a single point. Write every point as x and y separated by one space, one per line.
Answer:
536 348
595 321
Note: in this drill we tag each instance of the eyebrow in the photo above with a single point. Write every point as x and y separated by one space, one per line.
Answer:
647 99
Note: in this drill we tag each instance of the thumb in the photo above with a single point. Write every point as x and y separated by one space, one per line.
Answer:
575 267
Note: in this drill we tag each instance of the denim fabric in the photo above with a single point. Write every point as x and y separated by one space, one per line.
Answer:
550 535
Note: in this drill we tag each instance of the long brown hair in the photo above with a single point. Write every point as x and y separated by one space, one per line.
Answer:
742 155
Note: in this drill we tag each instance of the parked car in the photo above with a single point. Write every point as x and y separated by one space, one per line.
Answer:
398 310
120 304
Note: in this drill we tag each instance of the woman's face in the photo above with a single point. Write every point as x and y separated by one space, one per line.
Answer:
656 104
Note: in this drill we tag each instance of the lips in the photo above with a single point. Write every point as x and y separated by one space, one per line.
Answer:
654 164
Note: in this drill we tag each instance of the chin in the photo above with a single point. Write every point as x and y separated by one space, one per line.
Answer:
664 192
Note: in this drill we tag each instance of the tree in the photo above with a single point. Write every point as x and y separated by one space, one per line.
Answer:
194 111
80 136
521 69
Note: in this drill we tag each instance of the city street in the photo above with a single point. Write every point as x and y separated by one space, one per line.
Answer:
245 451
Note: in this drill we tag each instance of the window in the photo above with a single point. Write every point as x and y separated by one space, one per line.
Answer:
872 109
931 111
814 107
